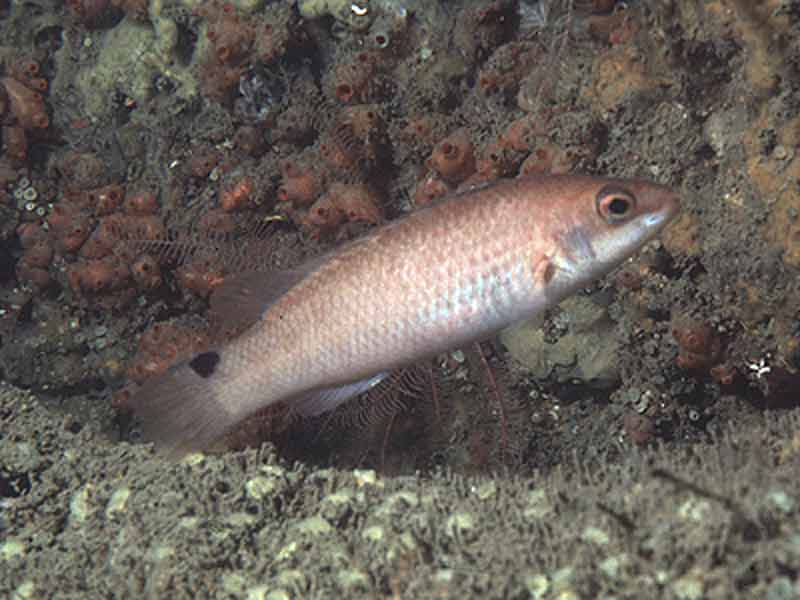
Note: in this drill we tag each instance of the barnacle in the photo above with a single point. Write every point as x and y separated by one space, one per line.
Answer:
381 39
724 373
30 233
300 185
32 267
231 38
357 202
39 84
349 81
146 272
355 142
699 346
220 81
521 134
366 121
114 231
356 80
272 42
107 199
98 276
547 158
422 131
15 143
60 217
83 170
200 275
39 254
73 237
146 227
323 217
87 10
454 157
25 104
141 204
496 161
102 240
429 189
341 148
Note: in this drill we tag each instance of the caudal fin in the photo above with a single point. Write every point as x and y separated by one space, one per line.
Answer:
181 411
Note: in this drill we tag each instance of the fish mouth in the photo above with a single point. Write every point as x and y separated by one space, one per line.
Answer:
670 208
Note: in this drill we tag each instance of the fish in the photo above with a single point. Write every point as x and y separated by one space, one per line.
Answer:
439 278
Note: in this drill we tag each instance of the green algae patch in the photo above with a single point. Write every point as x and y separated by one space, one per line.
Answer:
118 502
314 527
12 549
131 57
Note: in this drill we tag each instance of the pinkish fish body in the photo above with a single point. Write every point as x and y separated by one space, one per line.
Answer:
440 278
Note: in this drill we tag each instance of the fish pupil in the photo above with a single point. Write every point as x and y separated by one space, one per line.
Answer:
205 363
618 206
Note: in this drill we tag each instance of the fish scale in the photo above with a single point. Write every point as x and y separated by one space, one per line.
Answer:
444 276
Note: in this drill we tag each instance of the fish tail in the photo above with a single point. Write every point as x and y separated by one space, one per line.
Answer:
183 410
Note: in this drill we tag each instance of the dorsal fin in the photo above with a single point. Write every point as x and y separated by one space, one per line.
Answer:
243 297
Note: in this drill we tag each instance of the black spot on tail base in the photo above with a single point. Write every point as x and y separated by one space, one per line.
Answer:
204 364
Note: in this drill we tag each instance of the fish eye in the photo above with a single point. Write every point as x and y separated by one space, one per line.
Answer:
615 204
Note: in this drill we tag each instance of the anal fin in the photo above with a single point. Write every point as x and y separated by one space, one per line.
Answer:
326 399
